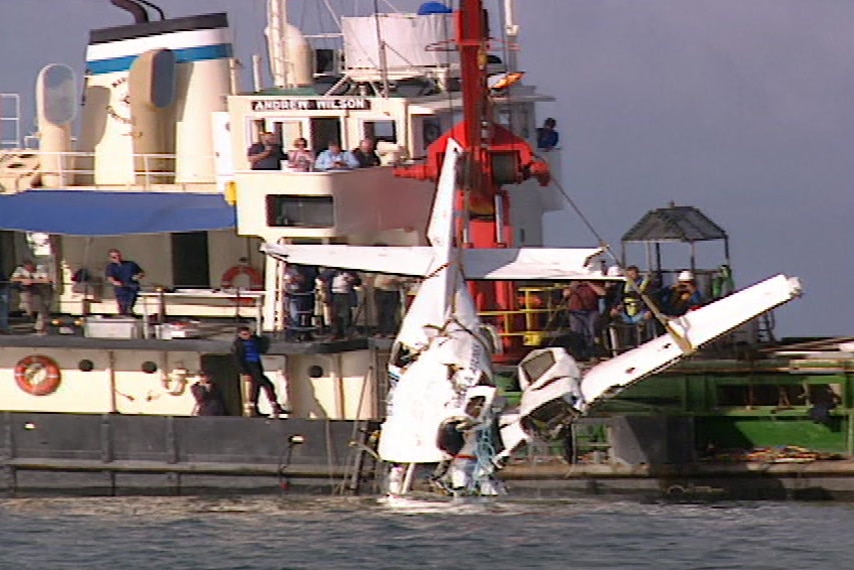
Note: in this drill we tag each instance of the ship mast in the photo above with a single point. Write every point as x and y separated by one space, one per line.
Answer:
277 45
511 33
494 156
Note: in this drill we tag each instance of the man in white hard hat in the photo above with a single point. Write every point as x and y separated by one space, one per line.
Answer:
682 297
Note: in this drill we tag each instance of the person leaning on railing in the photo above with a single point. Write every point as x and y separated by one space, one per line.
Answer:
300 158
335 159
266 154
365 154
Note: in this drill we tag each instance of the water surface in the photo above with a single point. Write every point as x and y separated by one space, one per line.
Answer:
354 533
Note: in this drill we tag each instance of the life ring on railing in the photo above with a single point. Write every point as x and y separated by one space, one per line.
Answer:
256 281
38 375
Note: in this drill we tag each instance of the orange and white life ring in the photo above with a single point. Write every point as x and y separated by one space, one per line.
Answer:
38 375
256 281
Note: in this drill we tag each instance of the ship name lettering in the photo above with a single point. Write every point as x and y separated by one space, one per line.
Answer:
325 104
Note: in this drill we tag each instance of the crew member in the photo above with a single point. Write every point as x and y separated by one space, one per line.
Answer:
684 296
247 350
208 398
36 292
124 276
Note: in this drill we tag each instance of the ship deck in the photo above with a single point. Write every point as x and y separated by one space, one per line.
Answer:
215 335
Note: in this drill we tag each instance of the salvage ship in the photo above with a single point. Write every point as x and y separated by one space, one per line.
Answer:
154 163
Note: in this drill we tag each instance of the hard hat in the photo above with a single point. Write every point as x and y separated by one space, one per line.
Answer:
685 276
615 271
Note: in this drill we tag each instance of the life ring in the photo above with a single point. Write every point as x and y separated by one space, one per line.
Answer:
38 375
256 281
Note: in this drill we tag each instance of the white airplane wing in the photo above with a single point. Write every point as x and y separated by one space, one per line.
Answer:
698 327
402 260
531 263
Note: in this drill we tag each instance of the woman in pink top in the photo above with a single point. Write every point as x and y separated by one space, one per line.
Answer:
300 158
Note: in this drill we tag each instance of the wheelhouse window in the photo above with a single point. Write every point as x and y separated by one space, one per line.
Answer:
431 129
385 131
299 211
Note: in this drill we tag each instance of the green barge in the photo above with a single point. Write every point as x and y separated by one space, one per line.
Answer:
770 423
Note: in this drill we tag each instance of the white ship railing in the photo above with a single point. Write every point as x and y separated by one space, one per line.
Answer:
19 168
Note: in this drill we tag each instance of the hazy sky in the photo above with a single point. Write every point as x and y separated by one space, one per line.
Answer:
742 108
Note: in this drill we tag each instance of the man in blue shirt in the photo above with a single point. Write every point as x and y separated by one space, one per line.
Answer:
247 350
124 275
335 159
547 136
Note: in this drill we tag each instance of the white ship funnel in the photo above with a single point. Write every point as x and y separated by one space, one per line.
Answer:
151 92
202 50
56 96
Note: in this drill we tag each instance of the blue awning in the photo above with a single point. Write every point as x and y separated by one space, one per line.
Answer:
95 213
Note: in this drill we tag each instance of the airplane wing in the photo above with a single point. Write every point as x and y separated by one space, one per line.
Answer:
698 327
531 263
403 260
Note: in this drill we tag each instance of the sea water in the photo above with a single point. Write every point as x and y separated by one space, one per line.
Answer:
359 533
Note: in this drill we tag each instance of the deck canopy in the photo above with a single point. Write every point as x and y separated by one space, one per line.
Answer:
676 223
95 213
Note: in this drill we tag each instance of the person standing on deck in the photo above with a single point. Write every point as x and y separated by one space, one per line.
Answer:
547 136
267 154
683 296
387 291
334 158
582 298
36 292
342 291
366 155
124 275
300 283
300 158
247 350
208 398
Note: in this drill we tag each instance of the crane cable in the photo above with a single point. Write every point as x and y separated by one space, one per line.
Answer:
666 322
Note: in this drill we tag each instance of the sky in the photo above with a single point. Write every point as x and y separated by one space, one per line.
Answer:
742 108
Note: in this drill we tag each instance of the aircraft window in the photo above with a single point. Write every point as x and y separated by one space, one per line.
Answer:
474 407
402 356
538 366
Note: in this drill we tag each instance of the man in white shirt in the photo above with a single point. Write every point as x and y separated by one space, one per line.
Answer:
36 292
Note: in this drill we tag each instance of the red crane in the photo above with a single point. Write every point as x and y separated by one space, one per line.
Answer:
494 156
